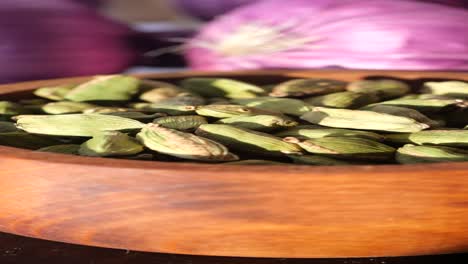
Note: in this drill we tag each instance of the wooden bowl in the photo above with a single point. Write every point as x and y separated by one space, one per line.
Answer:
254 211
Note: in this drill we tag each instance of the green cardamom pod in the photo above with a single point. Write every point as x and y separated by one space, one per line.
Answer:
54 93
247 140
430 96
21 139
259 122
157 91
179 101
454 89
350 100
307 87
160 94
222 87
183 145
124 112
403 111
105 88
443 137
347 148
167 108
9 109
7 127
306 132
84 125
287 106
398 139
410 154
410 96
424 105
106 109
225 111
360 119
184 99
316 160
110 143
189 122
385 89
65 107
71 149
136 115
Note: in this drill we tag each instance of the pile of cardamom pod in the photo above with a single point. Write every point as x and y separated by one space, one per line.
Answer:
300 121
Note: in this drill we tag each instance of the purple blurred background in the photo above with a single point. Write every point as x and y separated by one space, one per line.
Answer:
60 38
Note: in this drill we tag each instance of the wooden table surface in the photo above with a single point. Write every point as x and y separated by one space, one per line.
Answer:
18 249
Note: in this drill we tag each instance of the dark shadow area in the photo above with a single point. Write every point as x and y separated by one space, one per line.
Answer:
18 249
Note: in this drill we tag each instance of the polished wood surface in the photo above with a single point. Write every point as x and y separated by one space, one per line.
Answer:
255 211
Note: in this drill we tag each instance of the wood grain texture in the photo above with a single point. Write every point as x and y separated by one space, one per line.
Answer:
255 211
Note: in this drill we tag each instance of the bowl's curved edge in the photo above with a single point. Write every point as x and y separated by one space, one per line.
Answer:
250 211
253 213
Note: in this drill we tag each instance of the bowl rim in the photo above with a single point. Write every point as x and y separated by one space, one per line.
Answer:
25 154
